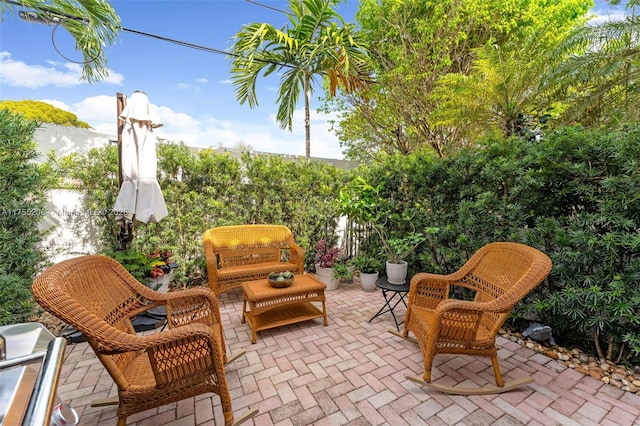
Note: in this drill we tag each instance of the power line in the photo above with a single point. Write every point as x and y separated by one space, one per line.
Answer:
267 6
198 46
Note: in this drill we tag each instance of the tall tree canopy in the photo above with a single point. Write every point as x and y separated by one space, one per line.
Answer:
43 113
318 43
503 93
412 43
604 79
93 24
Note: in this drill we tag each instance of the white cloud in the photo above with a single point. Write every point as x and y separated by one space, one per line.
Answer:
601 16
97 109
186 86
20 74
202 80
604 12
265 136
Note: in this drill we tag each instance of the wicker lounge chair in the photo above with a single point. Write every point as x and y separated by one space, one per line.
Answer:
240 253
98 297
500 274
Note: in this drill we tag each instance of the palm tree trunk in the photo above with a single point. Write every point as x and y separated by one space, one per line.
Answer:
307 117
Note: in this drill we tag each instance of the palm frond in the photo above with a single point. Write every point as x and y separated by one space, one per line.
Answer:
93 24
290 87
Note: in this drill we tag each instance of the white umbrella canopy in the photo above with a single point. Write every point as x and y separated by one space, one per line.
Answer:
140 198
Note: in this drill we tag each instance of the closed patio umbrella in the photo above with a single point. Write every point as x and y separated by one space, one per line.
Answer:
140 198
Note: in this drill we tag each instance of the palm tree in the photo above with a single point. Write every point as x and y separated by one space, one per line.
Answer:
504 92
604 78
93 24
318 44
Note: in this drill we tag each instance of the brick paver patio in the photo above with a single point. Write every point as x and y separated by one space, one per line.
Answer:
352 372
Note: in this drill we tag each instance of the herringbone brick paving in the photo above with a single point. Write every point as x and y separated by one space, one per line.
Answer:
352 372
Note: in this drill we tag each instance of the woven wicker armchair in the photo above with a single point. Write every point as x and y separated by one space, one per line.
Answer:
500 274
98 297
240 253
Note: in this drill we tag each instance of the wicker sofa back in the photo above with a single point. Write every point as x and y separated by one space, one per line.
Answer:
239 253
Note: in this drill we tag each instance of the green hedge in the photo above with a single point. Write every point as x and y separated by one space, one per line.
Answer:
207 189
22 207
575 195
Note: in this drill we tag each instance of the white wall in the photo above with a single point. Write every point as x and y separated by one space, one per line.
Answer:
66 220
69 234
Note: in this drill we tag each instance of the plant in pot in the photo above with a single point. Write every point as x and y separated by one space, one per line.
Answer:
151 269
396 250
324 260
367 268
365 204
343 270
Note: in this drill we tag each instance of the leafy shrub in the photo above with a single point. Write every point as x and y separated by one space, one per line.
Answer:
22 207
574 195
205 189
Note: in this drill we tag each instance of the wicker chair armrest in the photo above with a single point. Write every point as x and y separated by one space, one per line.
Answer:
428 290
121 342
184 351
193 305
460 319
296 255
467 306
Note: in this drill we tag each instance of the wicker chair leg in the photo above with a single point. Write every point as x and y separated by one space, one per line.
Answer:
428 363
496 371
122 421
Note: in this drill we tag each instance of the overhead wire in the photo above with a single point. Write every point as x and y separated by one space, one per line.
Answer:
266 6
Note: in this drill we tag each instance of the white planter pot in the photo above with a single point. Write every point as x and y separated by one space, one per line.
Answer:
352 271
396 272
368 281
152 283
325 275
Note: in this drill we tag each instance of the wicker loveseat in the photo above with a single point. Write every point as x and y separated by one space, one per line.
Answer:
239 253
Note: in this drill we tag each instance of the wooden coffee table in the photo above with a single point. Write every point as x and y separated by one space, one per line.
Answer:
273 307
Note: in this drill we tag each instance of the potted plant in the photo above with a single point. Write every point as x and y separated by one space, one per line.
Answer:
365 204
396 250
367 268
324 260
343 270
151 269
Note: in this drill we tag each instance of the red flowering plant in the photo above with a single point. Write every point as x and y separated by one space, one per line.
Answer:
326 257
160 263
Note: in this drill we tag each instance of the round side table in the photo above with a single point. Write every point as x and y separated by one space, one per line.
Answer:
393 294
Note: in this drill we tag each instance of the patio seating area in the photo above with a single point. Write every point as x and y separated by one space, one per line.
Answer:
353 372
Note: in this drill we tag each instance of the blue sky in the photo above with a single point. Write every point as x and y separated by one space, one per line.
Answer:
189 88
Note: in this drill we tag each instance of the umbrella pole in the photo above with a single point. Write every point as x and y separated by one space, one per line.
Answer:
121 101
125 232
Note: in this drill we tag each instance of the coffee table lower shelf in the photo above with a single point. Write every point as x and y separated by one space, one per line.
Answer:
281 315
